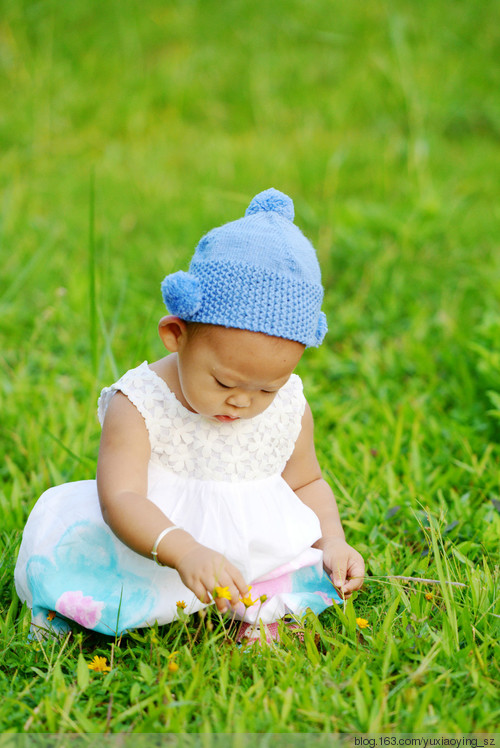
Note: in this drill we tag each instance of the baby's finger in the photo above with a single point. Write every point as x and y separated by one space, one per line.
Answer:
355 583
241 585
356 574
339 575
225 593
222 604
234 581
234 591
221 595
201 593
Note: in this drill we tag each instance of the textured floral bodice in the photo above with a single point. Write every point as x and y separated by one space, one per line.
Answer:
191 445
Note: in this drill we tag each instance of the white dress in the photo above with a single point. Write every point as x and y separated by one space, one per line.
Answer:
219 481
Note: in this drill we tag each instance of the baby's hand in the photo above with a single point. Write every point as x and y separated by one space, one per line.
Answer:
345 564
202 570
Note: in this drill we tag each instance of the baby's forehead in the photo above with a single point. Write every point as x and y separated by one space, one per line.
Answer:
233 338
244 353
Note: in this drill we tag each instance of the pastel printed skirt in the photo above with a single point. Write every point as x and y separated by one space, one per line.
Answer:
71 566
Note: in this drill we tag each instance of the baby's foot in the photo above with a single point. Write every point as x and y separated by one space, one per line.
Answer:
250 633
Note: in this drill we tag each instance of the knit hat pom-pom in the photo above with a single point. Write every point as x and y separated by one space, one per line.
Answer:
321 329
181 294
274 201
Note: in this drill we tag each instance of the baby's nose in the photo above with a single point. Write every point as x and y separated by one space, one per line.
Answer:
239 399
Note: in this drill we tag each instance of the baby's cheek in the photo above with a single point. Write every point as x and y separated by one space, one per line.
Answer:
265 402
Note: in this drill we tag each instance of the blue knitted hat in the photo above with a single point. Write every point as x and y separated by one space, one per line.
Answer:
259 273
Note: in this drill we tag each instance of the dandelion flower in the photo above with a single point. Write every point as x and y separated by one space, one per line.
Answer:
429 596
99 664
222 593
51 615
362 623
172 666
180 604
247 600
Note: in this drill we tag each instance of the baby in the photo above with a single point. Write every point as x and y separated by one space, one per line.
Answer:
208 487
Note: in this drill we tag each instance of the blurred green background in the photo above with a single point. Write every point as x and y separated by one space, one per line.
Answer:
129 129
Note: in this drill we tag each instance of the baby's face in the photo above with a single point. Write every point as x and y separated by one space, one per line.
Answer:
228 374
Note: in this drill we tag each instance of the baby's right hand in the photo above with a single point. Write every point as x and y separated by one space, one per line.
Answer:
202 570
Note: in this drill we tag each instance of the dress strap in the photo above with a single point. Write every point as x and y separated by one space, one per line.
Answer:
142 387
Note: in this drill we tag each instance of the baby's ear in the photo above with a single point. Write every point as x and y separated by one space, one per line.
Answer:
172 331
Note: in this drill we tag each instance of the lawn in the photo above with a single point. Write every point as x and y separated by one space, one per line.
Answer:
127 130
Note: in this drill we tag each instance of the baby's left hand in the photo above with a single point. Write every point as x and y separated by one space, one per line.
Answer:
345 564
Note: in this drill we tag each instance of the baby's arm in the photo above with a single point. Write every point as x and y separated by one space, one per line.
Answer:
122 480
303 475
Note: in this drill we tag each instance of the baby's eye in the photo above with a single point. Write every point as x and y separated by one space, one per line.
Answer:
226 386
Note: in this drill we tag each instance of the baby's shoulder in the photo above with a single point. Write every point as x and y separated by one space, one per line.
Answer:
139 385
293 389
162 368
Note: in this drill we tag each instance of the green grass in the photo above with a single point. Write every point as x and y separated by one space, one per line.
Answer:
126 132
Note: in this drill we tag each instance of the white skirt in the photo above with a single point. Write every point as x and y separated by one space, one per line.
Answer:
72 567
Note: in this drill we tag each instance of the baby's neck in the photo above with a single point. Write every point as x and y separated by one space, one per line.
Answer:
166 368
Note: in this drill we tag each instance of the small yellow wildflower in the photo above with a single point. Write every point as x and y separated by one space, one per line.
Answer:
99 664
429 595
247 600
222 593
362 623
172 666
263 598
181 604
51 615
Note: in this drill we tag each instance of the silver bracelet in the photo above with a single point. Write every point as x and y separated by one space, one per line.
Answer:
154 549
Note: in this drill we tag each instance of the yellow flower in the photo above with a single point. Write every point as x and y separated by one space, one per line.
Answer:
222 592
51 615
172 666
362 623
247 600
99 664
263 598
181 604
429 595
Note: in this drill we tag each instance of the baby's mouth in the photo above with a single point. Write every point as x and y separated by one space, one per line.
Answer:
226 419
